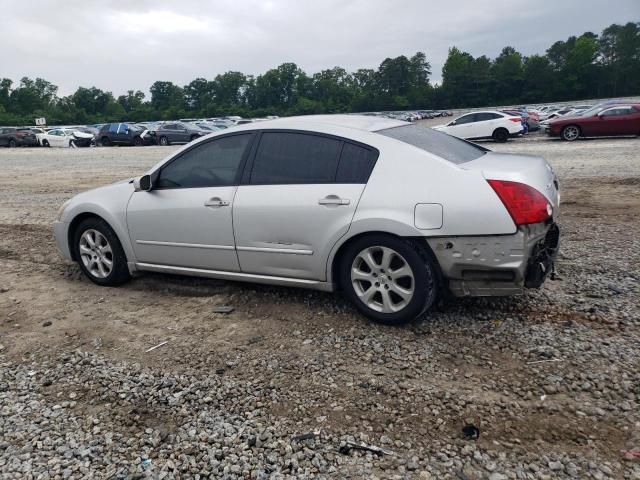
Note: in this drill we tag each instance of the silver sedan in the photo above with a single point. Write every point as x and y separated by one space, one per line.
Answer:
392 214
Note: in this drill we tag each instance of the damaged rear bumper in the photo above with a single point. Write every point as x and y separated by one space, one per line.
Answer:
497 264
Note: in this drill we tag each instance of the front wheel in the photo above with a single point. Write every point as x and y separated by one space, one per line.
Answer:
105 142
99 253
164 141
570 133
45 143
388 279
12 143
137 142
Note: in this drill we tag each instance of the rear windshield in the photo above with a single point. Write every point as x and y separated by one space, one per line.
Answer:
450 148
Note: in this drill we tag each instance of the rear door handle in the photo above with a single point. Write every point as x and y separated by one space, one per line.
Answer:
333 200
216 202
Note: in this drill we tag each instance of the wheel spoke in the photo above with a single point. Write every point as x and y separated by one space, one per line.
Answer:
90 239
84 250
387 303
403 271
357 274
387 257
403 293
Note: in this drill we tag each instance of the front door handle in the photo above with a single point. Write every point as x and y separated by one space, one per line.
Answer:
216 202
333 200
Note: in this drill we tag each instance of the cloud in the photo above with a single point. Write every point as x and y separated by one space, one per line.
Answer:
118 46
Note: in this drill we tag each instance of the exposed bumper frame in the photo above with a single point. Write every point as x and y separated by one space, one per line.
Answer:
497 265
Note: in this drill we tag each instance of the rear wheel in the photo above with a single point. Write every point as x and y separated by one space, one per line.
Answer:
388 279
164 141
500 135
570 133
137 142
12 143
99 253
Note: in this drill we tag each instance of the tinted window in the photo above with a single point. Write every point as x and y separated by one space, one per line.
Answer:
355 164
614 112
465 119
481 117
211 164
446 146
295 158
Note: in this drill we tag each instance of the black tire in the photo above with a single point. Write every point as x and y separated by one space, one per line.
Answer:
500 135
105 142
120 271
12 143
570 133
164 141
137 142
425 279
45 143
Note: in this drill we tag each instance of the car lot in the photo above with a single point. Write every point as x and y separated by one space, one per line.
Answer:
550 378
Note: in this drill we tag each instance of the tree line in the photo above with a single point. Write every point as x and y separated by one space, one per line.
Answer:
588 66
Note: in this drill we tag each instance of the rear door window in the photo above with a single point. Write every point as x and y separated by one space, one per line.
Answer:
295 158
356 164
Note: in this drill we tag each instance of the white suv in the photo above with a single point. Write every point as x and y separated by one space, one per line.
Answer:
488 124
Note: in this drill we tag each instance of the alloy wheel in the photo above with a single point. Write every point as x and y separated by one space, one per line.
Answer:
96 253
571 133
382 279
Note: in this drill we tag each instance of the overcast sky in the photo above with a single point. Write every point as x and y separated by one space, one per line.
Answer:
121 45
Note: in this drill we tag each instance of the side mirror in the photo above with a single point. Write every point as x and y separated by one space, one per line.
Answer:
142 184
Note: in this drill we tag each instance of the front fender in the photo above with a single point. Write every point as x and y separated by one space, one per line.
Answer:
110 204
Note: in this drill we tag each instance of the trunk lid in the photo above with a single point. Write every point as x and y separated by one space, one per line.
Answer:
528 169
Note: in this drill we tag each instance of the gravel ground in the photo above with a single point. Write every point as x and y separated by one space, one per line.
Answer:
551 378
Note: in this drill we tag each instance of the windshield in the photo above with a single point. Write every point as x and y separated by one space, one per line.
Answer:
453 149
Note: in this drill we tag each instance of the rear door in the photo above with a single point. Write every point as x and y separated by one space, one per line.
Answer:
298 197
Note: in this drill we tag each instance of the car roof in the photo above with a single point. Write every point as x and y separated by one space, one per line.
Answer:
358 122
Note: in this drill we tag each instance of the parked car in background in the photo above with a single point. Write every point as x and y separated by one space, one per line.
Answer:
390 213
178 132
65 137
492 124
125 134
612 120
17 137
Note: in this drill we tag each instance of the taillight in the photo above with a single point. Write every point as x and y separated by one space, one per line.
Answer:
515 119
525 204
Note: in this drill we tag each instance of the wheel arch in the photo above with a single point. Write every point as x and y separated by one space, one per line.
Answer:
339 250
73 226
119 230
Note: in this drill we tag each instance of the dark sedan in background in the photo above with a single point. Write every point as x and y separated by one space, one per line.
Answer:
125 134
599 121
179 132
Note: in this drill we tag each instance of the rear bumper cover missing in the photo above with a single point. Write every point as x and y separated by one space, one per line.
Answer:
497 264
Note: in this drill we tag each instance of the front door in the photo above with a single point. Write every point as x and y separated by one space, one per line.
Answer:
463 127
302 193
186 219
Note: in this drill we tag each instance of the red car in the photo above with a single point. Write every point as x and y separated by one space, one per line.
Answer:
620 119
